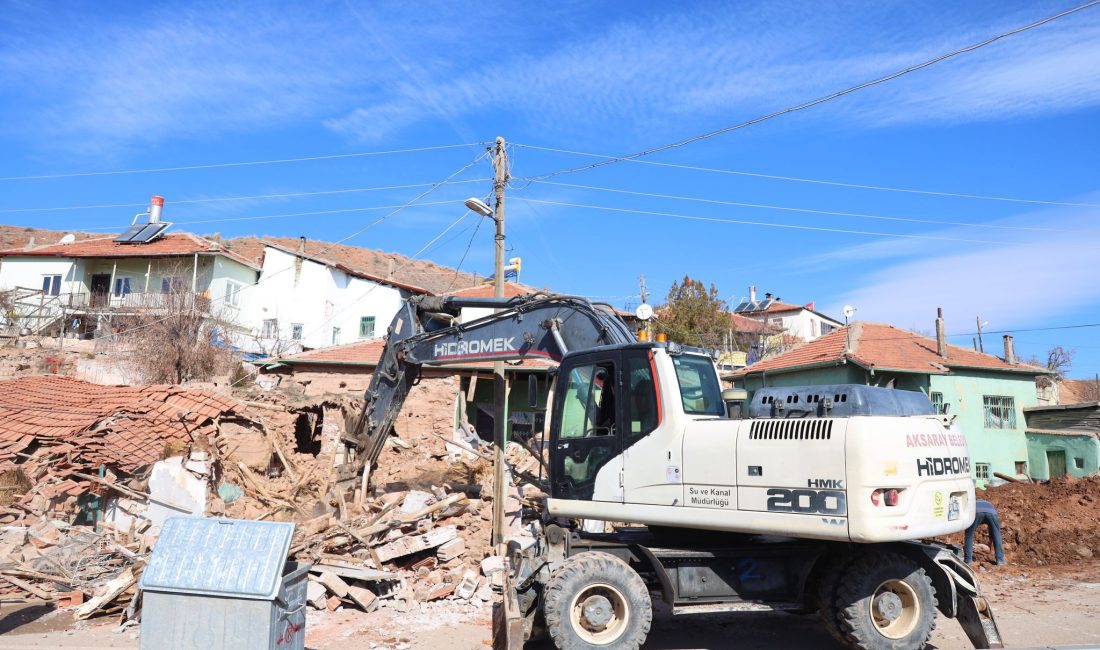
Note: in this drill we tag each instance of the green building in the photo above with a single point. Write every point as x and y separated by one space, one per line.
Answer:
986 393
1063 440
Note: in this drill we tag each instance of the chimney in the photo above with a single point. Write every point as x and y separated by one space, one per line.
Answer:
30 242
1010 351
156 206
768 296
301 245
752 293
941 334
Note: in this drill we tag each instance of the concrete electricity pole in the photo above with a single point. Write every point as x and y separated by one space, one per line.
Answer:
500 386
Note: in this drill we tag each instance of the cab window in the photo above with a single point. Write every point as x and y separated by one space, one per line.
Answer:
641 406
699 389
588 410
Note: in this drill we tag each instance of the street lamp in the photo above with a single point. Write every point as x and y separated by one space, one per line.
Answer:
477 205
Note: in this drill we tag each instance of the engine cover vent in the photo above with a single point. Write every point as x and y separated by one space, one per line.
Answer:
800 429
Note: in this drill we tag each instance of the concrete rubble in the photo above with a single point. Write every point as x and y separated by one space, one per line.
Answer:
88 473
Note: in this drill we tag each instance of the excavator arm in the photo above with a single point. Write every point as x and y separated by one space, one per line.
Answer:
426 331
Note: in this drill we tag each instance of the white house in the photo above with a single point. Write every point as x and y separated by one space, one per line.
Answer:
314 294
93 280
802 323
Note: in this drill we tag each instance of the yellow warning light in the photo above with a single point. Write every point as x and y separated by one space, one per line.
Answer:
662 338
643 336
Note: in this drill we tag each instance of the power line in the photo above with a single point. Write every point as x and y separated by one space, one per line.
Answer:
761 223
829 97
817 181
808 210
408 261
359 154
213 301
238 198
287 215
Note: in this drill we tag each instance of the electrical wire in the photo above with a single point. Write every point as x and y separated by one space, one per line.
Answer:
826 98
322 251
283 216
759 223
880 188
370 290
359 154
462 261
808 210
237 198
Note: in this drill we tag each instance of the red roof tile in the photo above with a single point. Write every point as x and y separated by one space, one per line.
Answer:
170 245
123 426
884 347
745 324
511 290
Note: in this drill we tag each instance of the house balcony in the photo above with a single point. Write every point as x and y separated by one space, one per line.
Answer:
138 302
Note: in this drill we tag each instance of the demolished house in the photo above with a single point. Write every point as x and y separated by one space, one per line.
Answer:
89 472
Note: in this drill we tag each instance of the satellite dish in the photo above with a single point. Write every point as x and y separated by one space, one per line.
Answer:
68 239
848 311
644 311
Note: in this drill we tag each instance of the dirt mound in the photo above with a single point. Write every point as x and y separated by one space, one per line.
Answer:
1044 524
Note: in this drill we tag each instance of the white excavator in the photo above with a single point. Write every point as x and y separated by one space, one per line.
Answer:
811 498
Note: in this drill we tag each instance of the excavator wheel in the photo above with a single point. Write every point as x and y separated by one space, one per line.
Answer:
885 601
827 586
596 601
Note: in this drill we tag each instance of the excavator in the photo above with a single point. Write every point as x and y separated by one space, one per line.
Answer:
801 499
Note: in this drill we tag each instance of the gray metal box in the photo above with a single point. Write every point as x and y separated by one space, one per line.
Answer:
223 584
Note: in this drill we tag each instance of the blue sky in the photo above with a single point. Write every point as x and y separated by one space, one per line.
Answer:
90 87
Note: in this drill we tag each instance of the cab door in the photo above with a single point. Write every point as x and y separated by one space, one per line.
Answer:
586 436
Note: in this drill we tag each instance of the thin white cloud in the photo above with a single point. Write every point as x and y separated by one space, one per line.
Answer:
1011 285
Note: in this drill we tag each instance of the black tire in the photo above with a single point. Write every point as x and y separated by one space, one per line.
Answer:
885 601
827 586
616 597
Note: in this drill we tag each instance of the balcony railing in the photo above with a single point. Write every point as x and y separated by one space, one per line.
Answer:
130 301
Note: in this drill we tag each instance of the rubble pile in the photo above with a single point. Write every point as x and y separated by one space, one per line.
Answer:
1043 524
88 473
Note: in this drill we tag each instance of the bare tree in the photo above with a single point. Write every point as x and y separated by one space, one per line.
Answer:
1059 361
176 339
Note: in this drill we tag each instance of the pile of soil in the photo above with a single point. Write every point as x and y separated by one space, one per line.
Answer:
1044 524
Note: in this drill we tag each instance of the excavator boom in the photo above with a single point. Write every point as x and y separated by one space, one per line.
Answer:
427 331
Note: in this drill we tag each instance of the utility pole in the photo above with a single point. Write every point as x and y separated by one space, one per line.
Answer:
500 385
981 345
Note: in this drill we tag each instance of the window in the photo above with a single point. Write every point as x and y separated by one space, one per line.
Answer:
296 331
937 401
642 410
122 286
1021 467
171 284
588 410
699 389
981 471
1079 462
233 293
826 328
366 327
270 329
1000 412
51 285
336 336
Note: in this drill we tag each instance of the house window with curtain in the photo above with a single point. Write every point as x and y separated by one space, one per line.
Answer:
122 286
336 336
270 329
1000 412
233 293
51 285
296 331
366 327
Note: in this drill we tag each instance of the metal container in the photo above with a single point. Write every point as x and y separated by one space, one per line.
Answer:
223 584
